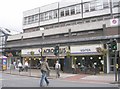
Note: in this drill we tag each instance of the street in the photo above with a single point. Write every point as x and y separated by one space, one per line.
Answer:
24 81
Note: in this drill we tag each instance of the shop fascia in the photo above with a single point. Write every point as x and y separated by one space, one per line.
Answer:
49 51
85 49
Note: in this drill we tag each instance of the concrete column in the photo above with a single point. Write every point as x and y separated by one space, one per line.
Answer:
108 63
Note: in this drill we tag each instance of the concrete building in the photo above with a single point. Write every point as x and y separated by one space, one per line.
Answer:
4 33
78 27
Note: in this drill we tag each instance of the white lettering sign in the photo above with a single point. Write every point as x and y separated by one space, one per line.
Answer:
82 49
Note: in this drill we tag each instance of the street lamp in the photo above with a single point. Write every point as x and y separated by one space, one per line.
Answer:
40 51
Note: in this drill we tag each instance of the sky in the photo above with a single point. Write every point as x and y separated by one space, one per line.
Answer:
11 12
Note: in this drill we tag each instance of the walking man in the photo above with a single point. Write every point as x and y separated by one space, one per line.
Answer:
26 66
44 69
57 68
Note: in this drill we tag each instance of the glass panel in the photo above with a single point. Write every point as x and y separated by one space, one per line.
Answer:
86 7
105 4
66 11
61 12
73 10
78 9
55 14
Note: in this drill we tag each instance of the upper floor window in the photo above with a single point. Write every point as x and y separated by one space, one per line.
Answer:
72 10
78 9
105 4
62 13
33 18
55 13
46 15
25 20
86 7
116 3
67 12
29 19
99 5
36 17
50 14
92 6
42 17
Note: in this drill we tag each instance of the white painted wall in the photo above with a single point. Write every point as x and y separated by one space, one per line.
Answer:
68 18
96 13
49 22
79 27
31 12
49 7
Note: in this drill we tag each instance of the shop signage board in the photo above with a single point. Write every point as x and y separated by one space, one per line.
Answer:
85 49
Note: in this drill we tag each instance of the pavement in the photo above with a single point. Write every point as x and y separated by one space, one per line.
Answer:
82 78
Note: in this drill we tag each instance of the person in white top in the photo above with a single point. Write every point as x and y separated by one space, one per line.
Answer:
20 66
26 66
57 68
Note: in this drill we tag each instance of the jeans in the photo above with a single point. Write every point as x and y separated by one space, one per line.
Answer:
57 73
44 74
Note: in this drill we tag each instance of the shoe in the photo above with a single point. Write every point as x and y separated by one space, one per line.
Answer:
47 83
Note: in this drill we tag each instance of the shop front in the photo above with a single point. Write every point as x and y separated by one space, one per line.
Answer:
86 59
34 56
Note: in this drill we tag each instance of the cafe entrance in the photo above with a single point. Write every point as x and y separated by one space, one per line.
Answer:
91 64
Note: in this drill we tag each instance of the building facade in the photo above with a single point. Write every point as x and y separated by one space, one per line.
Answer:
4 33
78 27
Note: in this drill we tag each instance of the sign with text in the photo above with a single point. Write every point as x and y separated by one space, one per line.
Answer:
85 49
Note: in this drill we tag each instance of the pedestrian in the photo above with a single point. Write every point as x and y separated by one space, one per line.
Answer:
20 66
44 69
57 68
26 66
73 69
14 63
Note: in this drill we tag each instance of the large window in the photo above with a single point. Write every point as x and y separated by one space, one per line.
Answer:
67 12
50 14
55 13
33 18
46 15
42 17
25 20
78 9
92 6
105 4
36 17
86 7
72 9
116 3
61 12
29 19
99 5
